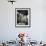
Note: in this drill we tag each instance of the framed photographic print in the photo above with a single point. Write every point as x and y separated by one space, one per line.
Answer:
22 17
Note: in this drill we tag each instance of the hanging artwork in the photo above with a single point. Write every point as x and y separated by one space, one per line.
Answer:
22 17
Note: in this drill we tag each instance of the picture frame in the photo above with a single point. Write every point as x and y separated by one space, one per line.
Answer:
22 17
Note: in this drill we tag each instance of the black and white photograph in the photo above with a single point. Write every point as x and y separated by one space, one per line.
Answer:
22 17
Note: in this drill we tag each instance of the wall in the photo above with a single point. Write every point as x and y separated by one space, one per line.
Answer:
8 31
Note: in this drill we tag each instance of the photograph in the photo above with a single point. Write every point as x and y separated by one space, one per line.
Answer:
22 17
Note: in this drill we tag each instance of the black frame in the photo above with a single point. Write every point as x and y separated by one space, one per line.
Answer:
29 9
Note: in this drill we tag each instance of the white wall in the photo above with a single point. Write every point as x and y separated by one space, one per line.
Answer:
37 31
